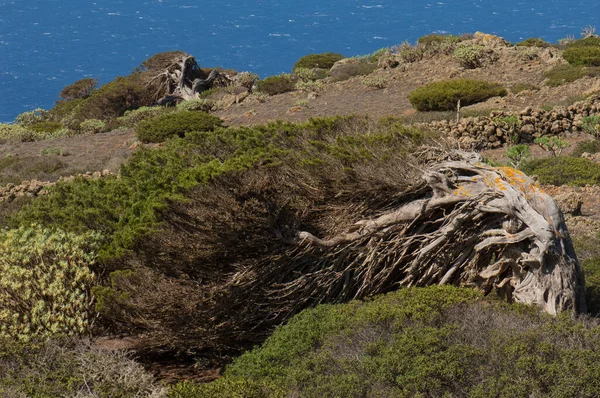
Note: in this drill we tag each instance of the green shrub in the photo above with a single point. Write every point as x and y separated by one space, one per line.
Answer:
46 282
533 42
92 126
585 52
32 117
420 342
379 82
436 38
246 79
307 74
321 61
408 53
554 145
201 104
133 118
592 146
444 95
591 125
161 128
562 74
591 269
274 85
471 57
519 87
518 154
310 86
564 170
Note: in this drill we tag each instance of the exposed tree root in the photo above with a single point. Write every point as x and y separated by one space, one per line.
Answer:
470 225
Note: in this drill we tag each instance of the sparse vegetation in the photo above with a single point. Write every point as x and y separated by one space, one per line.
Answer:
378 81
444 95
591 125
533 42
562 74
520 87
352 68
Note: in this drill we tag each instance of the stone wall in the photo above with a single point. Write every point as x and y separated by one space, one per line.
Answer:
503 128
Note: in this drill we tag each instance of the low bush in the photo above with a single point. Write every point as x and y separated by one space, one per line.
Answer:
564 170
379 82
408 53
201 104
163 127
445 94
71 368
310 86
520 87
133 118
592 146
46 282
533 42
472 56
436 38
419 342
29 118
584 52
92 126
321 61
352 68
274 85
562 74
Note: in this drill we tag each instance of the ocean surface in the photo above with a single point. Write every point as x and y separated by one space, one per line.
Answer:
48 44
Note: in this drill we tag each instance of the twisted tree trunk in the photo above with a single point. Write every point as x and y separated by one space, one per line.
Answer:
183 80
471 225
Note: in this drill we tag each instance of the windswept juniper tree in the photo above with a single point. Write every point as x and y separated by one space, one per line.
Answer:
183 79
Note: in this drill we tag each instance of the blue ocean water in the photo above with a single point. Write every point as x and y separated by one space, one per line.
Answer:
47 44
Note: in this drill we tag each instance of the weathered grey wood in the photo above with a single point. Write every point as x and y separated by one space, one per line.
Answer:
492 227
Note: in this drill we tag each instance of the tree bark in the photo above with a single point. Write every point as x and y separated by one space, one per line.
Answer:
475 225
183 80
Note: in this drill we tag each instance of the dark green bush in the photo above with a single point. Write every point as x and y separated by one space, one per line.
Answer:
420 342
564 170
321 61
585 52
274 85
533 42
591 269
592 146
444 95
569 73
161 128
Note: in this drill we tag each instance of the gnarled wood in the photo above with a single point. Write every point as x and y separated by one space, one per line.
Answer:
183 80
475 225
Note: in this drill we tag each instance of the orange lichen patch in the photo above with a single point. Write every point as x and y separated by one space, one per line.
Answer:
518 180
463 191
